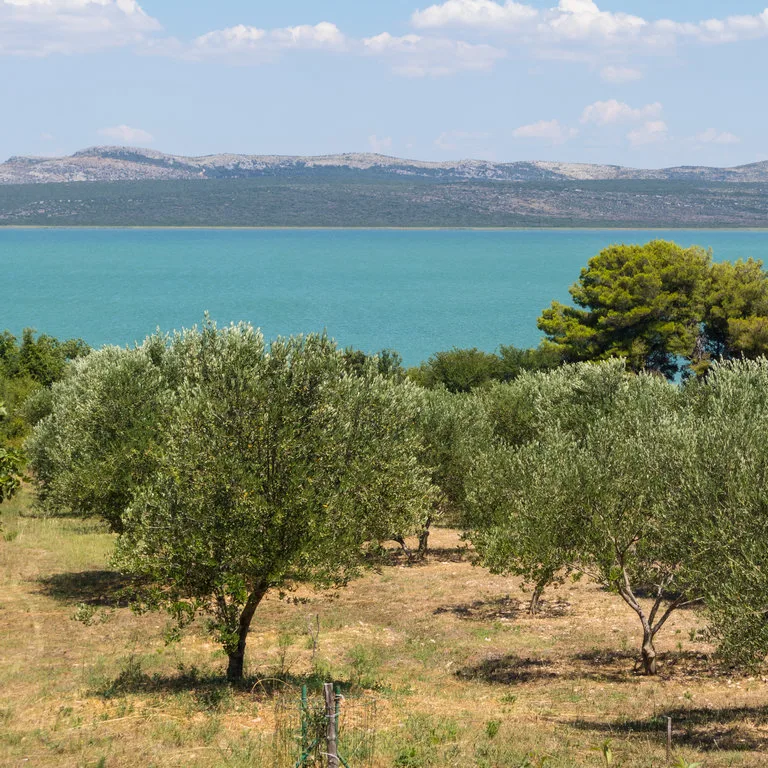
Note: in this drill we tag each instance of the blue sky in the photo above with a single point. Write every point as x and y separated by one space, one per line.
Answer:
637 82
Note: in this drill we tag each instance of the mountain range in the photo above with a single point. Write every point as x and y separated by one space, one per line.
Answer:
114 164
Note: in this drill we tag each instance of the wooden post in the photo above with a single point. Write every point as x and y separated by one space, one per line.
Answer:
330 716
669 741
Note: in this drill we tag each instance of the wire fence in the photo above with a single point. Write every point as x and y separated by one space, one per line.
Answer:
313 731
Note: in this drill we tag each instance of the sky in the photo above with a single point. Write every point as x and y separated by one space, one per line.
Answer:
643 83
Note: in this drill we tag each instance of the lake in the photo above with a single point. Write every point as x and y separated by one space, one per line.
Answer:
417 291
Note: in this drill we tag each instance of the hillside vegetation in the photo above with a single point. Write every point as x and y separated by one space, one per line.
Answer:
343 198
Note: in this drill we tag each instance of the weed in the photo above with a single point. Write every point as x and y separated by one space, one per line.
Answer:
313 634
428 741
681 762
284 660
213 699
90 615
131 679
606 752
365 662
209 730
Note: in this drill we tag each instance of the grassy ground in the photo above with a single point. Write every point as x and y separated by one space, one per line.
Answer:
460 675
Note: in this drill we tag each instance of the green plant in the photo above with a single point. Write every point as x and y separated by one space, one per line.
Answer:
284 662
681 762
131 678
606 752
213 698
364 661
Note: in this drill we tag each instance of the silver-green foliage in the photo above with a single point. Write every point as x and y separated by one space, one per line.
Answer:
727 494
231 467
587 478
455 428
96 446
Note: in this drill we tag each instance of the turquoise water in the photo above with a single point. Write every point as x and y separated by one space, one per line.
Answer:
415 291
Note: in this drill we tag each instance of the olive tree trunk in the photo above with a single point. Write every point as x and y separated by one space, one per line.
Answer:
421 553
648 652
237 656
538 591
650 625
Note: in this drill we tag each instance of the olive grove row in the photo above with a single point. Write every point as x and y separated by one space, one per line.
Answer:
229 467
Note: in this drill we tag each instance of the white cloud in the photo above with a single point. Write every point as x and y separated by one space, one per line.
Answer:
454 140
242 39
728 30
380 145
582 19
549 130
232 37
416 56
619 75
409 55
45 27
613 111
574 21
474 13
712 136
127 135
652 132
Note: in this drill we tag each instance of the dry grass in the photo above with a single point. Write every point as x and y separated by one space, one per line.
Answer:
462 676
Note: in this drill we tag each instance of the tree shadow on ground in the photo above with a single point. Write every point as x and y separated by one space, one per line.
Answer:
203 685
508 669
503 609
597 665
672 664
734 729
96 588
395 557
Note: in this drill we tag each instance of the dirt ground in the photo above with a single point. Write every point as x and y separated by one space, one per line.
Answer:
458 673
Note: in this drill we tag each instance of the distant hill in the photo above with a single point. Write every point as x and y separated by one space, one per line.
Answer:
344 199
120 186
119 164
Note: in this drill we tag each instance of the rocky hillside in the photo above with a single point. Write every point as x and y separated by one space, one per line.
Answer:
108 164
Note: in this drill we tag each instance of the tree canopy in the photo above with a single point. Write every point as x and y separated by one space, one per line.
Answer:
593 488
726 495
662 307
11 466
26 368
462 370
246 466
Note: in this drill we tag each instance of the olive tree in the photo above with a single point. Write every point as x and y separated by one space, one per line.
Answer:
454 429
95 447
563 402
507 491
597 495
726 492
267 465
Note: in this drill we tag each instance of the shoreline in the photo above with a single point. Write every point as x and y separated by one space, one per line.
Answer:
224 228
